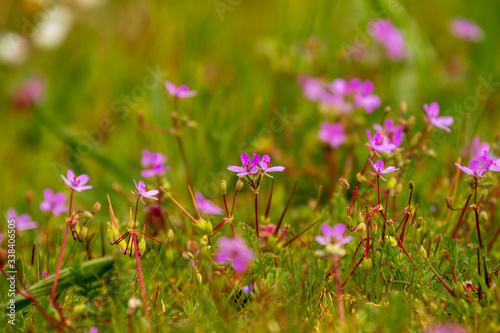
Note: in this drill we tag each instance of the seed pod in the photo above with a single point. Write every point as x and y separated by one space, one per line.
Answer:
403 107
411 185
344 183
239 185
96 208
88 215
484 216
170 235
449 204
83 232
142 246
223 186
367 264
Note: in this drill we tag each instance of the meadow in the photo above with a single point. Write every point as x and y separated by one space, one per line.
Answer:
249 166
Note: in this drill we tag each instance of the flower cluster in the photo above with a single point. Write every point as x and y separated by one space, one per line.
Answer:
255 165
482 160
153 164
390 37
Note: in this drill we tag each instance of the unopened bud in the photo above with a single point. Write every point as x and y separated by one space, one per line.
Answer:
77 230
349 221
403 107
79 308
360 177
88 215
484 216
170 235
361 229
140 118
198 277
190 255
449 204
423 251
344 183
83 233
420 221
431 153
110 234
458 288
361 217
390 229
96 208
142 246
223 186
123 245
239 185
411 185
484 194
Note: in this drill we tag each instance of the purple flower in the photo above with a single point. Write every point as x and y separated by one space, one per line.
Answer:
76 183
247 289
312 87
150 160
380 143
249 167
143 192
266 166
22 222
367 102
179 91
336 102
390 38
45 275
235 251
156 171
206 206
93 329
379 169
1 238
54 203
31 92
477 148
466 29
332 133
333 236
434 118
476 168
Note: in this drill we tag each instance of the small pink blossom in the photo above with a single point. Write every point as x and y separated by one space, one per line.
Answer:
143 192
76 183
179 91
312 87
434 118
149 159
247 289
333 236
332 134
390 37
31 92
466 30
394 133
249 166
54 203
266 166
22 222
235 251
380 143
476 168
379 169
206 206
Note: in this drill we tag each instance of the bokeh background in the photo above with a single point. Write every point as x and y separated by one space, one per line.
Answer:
97 59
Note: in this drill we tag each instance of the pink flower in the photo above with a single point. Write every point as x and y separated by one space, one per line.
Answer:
22 222
179 91
476 168
31 92
434 118
266 166
235 251
76 183
390 37
332 133
45 275
466 30
54 203
367 102
247 289
312 87
149 159
333 236
143 192
379 169
206 206
395 134
249 167
380 143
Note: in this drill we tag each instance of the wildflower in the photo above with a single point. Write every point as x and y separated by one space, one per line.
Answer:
206 206
149 159
54 203
379 169
1 238
235 251
333 236
380 143
465 29
45 275
492 161
332 133
394 133
266 166
249 167
31 92
390 38
336 102
247 289
476 168
143 192
434 118
93 329
179 91
312 87
76 183
368 102
22 222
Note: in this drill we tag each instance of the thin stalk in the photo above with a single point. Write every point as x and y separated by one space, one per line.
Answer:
141 279
340 302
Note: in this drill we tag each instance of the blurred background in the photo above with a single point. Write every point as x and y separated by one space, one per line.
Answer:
76 73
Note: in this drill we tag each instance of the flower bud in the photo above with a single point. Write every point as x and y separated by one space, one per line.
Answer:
484 216
190 255
223 186
396 191
116 235
390 229
349 221
77 230
449 204
123 246
170 235
83 233
403 107
142 246
458 288
88 215
367 264
96 208
361 229
423 251
361 217
239 185
411 121
484 194
411 185
393 182
344 183
198 277
420 221
360 177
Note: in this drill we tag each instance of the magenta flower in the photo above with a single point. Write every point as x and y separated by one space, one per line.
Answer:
206 206
333 236
493 162
76 183
380 143
332 133
379 169
434 118
179 91
54 203
477 148
31 92
156 171
247 289
266 166
312 87
337 102
367 102
150 160
22 222
390 37
1 238
465 29
476 168
143 192
249 167
45 275
235 251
